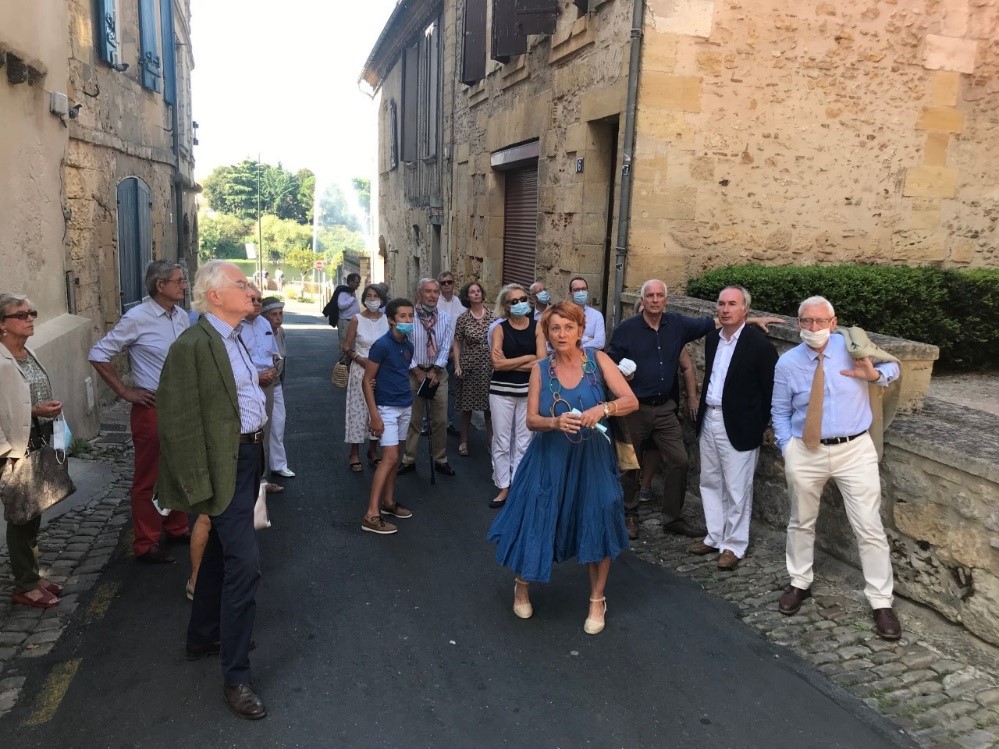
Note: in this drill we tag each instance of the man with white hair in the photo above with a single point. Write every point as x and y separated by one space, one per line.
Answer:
821 415
212 414
541 298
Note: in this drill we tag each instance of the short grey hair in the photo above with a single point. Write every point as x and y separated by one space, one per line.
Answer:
816 300
9 300
423 282
210 276
647 284
159 270
501 310
746 296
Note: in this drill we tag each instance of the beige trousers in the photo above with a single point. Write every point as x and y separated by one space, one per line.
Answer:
854 467
438 421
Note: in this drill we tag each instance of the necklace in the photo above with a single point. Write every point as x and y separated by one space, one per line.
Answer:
559 404
478 316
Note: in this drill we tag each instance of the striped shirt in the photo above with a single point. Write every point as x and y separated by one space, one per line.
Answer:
444 333
249 396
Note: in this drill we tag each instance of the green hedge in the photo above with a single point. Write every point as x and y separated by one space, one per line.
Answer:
955 310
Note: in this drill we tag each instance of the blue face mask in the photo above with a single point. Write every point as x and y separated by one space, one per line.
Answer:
580 297
520 309
543 297
404 327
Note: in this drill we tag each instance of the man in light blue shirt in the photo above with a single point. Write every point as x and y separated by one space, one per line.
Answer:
258 336
595 332
146 332
821 413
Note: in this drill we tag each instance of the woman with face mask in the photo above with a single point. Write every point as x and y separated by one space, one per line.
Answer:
365 328
516 345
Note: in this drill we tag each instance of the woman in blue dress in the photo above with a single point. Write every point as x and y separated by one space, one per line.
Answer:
566 500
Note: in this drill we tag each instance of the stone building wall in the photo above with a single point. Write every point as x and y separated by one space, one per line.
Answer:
816 132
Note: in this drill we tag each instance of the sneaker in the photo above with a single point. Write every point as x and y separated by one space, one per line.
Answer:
377 525
398 511
285 472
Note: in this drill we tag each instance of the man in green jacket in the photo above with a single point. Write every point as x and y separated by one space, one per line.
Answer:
211 418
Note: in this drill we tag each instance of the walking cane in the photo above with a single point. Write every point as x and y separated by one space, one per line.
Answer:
430 439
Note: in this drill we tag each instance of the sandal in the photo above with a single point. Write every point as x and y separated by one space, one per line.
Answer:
53 588
373 461
38 597
356 466
463 448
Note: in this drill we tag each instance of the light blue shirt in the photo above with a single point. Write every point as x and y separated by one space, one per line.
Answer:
846 407
259 339
595 332
146 332
249 396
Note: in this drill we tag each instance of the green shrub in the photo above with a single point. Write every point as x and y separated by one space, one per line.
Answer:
958 311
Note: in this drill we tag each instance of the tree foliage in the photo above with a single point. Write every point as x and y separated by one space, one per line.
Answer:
334 210
301 260
362 186
233 190
222 236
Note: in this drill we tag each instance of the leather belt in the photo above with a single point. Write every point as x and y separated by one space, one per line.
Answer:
717 408
654 402
424 369
841 440
252 438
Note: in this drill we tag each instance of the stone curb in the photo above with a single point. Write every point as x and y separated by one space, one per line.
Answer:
941 687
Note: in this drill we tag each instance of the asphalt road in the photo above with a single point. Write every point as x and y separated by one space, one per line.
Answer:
410 641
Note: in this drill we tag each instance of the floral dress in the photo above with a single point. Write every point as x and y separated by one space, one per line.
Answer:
356 426
476 361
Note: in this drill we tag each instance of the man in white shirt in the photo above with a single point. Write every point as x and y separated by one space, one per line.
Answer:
540 297
346 302
146 333
450 303
733 415
595 332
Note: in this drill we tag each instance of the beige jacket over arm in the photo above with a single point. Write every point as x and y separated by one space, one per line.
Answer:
15 406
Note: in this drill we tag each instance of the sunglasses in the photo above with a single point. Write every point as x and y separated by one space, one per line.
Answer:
447 283
24 315
518 300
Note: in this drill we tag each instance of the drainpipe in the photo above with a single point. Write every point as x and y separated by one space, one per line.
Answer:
631 107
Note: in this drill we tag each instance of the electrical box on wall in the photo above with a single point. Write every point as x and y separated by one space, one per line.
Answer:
59 103
579 166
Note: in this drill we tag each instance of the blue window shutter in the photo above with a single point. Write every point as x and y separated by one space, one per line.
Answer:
107 31
169 53
149 46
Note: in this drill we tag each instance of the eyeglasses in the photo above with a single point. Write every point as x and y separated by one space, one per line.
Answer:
241 285
573 291
448 283
23 315
255 299
179 281
518 300
806 321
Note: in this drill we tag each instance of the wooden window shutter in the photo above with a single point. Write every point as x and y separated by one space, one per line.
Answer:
107 31
473 57
433 55
393 135
410 103
535 16
149 46
506 41
169 53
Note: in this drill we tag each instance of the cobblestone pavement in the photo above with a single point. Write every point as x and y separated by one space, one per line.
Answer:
938 682
75 548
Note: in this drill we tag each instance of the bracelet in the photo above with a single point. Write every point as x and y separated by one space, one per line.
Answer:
606 410
554 423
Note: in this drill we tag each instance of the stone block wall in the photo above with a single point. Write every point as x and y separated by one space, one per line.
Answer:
940 492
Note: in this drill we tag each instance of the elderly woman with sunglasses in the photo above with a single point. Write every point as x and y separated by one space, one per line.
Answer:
26 413
566 500
517 344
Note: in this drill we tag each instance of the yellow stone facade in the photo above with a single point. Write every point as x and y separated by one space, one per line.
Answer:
816 132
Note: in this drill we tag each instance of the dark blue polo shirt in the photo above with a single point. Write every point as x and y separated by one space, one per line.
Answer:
656 353
392 378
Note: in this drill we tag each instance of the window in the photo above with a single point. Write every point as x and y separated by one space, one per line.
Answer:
432 81
107 31
149 45
473 58
393 154
410 102
135 239
169 53
514 21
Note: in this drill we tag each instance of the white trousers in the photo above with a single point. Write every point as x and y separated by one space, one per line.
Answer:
510 436
276 456
726 486
854 467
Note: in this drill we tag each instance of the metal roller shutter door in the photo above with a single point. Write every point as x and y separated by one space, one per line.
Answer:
520 226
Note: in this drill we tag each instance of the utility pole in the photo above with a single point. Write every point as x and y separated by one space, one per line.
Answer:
260 233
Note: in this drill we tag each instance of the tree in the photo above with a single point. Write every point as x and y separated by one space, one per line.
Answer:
222 236
233 190
333 210
301 260
362 186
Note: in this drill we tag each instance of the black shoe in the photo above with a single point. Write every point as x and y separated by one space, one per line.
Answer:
405 468
156 555
683 528
197 652
444 468
243 701
453 431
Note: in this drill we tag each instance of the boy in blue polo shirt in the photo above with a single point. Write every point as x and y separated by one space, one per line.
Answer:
389 400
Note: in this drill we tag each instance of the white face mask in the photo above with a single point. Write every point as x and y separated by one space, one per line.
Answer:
815 338
373 304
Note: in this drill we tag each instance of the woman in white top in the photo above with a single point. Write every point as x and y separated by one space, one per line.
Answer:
365 328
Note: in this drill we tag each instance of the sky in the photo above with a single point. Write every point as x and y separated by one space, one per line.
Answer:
279 79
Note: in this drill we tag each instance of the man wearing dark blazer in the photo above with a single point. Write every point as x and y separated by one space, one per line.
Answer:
211 417
739 366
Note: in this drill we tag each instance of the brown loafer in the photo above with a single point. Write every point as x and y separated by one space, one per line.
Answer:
792 599
886 624
631 525
728 561
700 548
243 701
